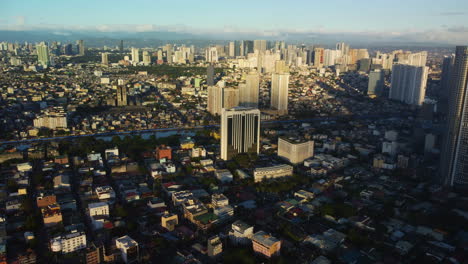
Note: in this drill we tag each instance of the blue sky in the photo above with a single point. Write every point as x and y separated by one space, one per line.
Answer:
369 16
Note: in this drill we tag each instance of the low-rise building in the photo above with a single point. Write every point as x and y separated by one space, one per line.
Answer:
129 249
215 246
295 150
240 233
266 244
71 242
272 172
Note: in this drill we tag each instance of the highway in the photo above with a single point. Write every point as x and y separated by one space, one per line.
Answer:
156 130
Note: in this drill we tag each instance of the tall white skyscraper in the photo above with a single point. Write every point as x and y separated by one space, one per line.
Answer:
211 54
240 131
279 92
408 83
146 58
454 157
248 91
260 45
43 54
232 49
104 58
135 55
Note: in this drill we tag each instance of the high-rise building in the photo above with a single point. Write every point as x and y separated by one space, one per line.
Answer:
447 66
68 49
248 92
104 58
121 95
232 49
121 47
279 92
81 47
408 83
210 75
238 46
376 83
146 58
318 57
248 47
43 54
220 98
211 54
135 55
295 150
260 45
454 162
240 131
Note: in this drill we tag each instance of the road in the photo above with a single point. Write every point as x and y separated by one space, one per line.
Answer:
156 130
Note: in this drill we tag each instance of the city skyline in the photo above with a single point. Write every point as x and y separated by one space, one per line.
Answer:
415 21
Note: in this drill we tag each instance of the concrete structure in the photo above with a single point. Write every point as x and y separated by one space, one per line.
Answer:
454 155
215 246
135 55
272 172
240 131
248 92
279 92
129 249
71 242
408 83
169 221
122 97
43 56
376 83
211 54
266 244
241 233
295 151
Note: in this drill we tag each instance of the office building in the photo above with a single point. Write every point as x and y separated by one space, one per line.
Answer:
81 47
265 244
220 98
43 56
408 83
232 49
279 92
70 242
210 71
260 45
248 47
454 162
146 58
248 92
105 58
272 172
122 95
215 246
211 54
135 55
240 131
295 150
447 66
240 233
318 57
376 83
129 249
121 46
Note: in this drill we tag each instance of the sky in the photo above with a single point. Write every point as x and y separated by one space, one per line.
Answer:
428 19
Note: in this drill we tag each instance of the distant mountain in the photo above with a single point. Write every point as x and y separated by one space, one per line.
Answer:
157 38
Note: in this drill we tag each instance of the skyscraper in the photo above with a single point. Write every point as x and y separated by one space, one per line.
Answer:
146 58
211 54
408 83
248 92
376 83
318 57
454 162
279 92
240 131
248 47
121 47
260 45
232 49
135 55
81 47
447 66
220 98
121 95
210 75
43 54
104 58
